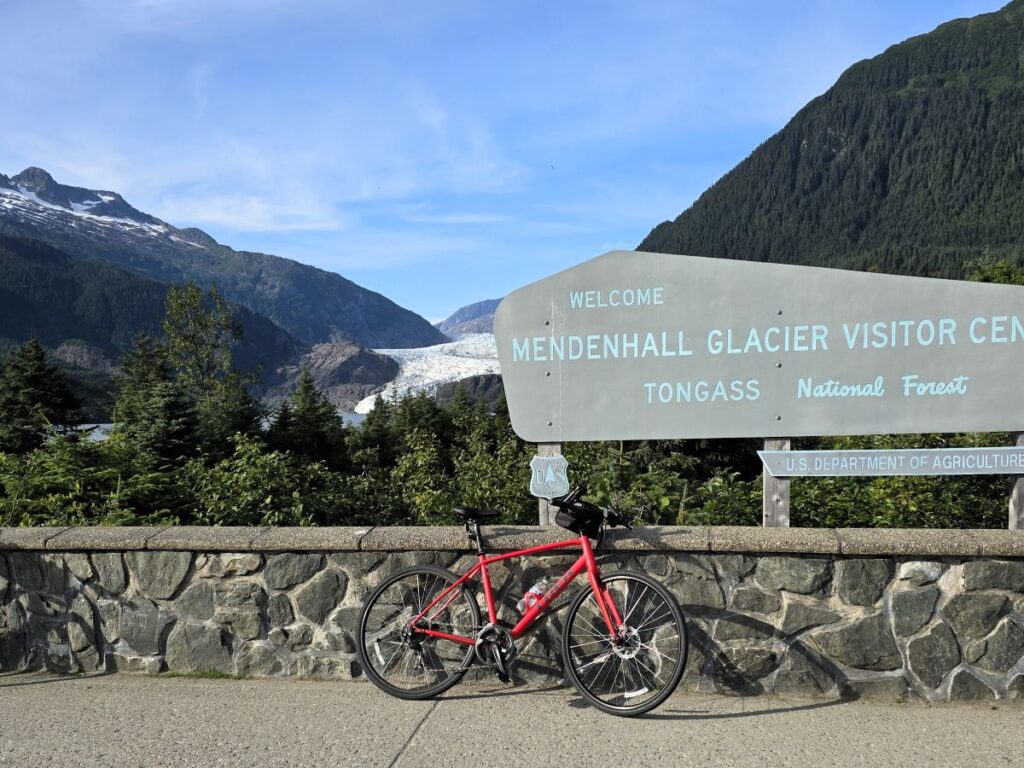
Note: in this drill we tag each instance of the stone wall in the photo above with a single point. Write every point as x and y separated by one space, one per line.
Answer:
931 615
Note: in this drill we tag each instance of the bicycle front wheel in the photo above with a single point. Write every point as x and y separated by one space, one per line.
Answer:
638 671
405 663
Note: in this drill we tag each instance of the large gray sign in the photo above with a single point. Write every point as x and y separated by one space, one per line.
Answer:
635 345
902 461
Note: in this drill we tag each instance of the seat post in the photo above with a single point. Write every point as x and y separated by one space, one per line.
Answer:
473 529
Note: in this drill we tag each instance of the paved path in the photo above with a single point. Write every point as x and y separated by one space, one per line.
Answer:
138 721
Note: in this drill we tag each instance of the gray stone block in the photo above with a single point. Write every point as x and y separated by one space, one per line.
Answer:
159 574
78 563
196 602
260 659
912 609
235 593
110 573
754 600
195 648
742 628
109 612
298 636
1015 690
5 578
81 625
920 572
867 643
966 687
694 585
974 615
804 575
800 616
148 665
933 655
287 570
887 688
37 572
228 564
994 574
142 625
324 665
803 671
1003 648
322 594
242 621
740 668
279 610
862 581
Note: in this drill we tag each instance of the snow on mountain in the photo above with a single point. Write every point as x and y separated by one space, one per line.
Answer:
26 205
312 304
426 369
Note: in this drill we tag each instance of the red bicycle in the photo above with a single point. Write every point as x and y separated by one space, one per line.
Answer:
623 643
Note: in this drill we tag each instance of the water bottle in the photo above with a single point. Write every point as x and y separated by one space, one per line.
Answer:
532 596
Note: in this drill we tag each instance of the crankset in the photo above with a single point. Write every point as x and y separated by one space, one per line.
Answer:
495 648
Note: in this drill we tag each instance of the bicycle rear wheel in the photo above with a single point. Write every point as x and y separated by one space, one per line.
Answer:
640 671
407 664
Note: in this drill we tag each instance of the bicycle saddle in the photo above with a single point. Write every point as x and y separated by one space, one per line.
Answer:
476 515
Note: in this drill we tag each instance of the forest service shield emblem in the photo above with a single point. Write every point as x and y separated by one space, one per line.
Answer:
549 477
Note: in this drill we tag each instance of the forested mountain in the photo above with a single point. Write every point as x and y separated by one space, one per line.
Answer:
913 162
312 304
92 305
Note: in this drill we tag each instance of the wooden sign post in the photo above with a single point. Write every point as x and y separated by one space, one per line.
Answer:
775 492
546 511
1016 521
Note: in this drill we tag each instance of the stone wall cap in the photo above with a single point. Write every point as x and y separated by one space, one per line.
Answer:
311 539
205 538
739 538
903 542
401 537
122 539
27 538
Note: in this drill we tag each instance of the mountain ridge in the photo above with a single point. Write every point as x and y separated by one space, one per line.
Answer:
312 304
909 164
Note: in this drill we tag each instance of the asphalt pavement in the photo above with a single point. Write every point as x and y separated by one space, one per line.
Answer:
126 720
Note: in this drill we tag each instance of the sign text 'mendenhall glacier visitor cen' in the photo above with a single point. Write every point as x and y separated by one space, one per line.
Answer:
634 345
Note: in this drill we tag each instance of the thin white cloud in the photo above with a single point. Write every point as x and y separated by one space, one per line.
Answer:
460 218
247 213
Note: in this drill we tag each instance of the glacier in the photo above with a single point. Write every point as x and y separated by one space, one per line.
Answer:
427 369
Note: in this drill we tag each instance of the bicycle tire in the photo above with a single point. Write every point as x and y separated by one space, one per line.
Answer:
417 585
619 679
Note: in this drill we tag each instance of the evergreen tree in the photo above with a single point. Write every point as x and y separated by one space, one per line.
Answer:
142 369
198 335
34 399
309 426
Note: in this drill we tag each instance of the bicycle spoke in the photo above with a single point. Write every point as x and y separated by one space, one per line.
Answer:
630 674
402 659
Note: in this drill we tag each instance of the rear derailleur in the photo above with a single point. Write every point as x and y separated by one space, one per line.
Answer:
496 648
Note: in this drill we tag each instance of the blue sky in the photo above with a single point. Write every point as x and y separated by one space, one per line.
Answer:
440 153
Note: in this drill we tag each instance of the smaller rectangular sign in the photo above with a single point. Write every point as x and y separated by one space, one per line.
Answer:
912 461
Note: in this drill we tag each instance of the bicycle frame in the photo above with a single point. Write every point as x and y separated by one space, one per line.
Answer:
586 562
